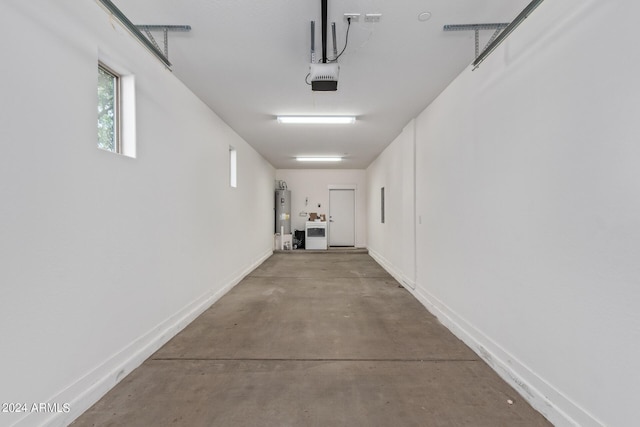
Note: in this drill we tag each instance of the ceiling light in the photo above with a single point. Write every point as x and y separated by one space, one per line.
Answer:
317 119
319 159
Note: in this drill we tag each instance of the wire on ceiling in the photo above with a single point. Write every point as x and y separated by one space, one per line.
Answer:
346 41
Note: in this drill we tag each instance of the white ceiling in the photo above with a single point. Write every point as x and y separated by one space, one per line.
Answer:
248 60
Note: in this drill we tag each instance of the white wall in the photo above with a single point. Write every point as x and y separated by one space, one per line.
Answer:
314 184
104 257
528 208
392 243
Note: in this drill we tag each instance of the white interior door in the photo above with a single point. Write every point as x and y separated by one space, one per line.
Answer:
342 218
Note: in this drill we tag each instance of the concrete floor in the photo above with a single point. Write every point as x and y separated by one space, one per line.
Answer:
314 339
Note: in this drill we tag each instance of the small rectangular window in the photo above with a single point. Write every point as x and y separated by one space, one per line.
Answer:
233 167
382 205
109 137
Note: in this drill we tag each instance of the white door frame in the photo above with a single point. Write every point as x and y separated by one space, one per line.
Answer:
353 187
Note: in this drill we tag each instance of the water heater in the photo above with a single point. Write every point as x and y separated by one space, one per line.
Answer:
283 211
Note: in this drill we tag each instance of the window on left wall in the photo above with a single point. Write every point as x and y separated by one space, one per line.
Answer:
233 167
109 110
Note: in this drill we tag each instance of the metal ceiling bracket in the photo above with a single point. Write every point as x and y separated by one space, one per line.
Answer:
165 31
476 28
502 31
504 34
117 13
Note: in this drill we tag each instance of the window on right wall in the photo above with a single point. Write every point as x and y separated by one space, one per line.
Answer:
382 205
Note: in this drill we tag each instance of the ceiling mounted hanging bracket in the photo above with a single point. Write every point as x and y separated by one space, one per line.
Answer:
135 31
502 31
147 29
505 33
476 28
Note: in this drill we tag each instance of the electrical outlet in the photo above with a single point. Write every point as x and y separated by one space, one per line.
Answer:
372 17
355 17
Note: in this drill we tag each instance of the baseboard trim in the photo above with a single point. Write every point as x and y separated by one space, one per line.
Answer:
85 392
384 263
550 402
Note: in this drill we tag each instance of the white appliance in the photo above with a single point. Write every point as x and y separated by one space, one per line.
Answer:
315 236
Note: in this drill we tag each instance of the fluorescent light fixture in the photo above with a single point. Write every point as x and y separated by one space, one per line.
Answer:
319 159
317 119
